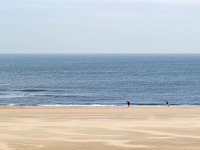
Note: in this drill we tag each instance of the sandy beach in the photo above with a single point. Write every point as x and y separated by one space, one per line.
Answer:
100 128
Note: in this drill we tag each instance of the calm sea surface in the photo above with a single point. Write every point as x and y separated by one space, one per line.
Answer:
99 79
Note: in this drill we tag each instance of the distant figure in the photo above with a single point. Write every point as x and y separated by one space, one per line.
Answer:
128 103
167 103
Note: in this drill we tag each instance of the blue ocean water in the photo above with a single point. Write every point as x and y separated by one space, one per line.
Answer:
101 79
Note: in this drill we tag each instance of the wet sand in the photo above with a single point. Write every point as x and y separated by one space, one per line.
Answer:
100 128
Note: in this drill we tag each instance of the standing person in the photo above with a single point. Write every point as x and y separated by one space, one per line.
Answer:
167 103
128 103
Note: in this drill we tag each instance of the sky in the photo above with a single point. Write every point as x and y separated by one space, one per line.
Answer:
99 26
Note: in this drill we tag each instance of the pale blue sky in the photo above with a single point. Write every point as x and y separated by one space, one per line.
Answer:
100 26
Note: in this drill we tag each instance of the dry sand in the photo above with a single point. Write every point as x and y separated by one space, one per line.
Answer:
100 128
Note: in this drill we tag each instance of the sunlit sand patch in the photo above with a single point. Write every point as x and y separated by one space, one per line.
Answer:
4 146
125 143
10 136
82 139
167 134
118 143
67 133
162 137
33 146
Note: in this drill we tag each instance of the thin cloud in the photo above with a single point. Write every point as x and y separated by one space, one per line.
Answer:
170 2
49 2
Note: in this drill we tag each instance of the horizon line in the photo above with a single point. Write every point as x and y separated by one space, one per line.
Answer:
98 53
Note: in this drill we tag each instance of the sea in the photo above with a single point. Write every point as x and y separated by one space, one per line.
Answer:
99 79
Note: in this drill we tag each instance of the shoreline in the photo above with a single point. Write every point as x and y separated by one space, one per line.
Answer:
97 106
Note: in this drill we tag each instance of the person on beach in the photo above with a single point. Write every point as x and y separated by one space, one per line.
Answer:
167 103
128 103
